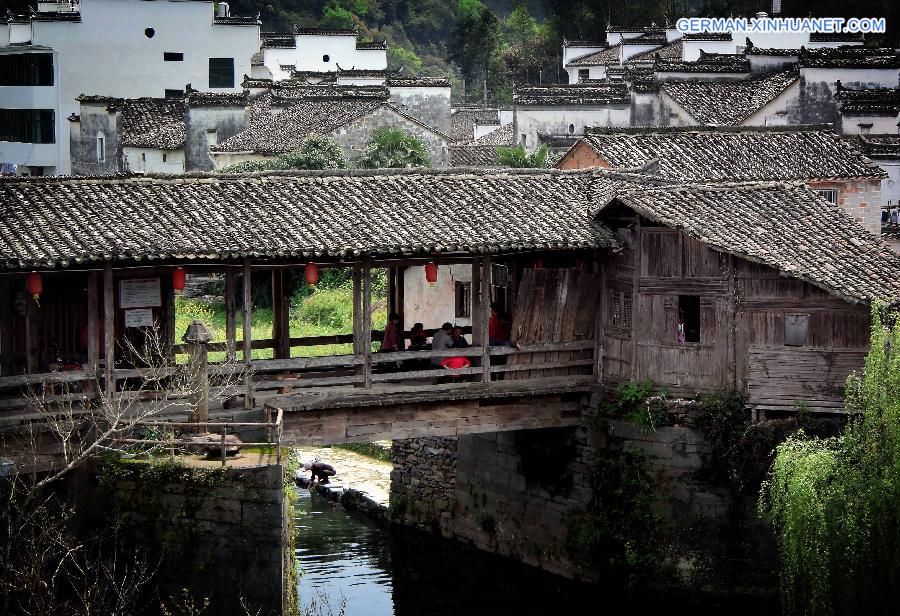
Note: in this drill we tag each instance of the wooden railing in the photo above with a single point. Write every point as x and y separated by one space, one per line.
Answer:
274 433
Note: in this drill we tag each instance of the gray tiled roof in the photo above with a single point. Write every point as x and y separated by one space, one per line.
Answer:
869 101
500 136
880 146
727 103
273 131
591 93
785 226
478 156
707 36
849 56
672 51
610 55
706 63
278 40
695 154
66 221
463 121
153 123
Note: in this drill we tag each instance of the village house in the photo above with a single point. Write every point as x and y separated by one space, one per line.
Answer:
115 48
315 50
607 276
824 161
279 120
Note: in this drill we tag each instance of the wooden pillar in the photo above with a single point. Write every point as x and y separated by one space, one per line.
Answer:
401 308
6 316
599 320
248 336
281 318
109 328
30 338
484 318
170 332
476 302
357 311
367 324
230 313
392 290
635 295
196 339
93 316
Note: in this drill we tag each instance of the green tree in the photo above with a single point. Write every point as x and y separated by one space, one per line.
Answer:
402 58
475 40
835 502
316 152
336 16
521 28
518 156
391 148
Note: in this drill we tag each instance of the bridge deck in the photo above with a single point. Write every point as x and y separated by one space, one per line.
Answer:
346 414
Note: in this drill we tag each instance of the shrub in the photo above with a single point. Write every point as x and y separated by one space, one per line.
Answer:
328 308
517 156
316 152
391 148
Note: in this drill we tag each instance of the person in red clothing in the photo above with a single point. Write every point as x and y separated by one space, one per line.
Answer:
391 340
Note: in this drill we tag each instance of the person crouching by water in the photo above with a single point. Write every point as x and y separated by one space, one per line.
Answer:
320 472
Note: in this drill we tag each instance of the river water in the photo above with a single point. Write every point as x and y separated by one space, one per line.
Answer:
376 571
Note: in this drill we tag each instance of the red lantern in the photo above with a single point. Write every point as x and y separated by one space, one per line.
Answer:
538 264
311 273
178 278
431 272
34 285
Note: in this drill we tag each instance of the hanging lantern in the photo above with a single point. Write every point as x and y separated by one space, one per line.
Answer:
431 272
311 273
178 278
538 264
34 285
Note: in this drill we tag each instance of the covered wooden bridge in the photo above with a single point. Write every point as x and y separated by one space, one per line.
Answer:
93 267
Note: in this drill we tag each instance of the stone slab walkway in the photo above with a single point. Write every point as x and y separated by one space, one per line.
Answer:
356 472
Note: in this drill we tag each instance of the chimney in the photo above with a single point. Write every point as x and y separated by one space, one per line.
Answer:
223 10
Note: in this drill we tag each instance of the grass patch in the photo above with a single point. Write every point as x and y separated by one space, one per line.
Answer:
370 450
325 312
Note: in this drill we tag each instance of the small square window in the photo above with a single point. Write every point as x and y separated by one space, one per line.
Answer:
173 56
221 72
584 73
688 319
174 93
463 299
829 194
796 329
618 310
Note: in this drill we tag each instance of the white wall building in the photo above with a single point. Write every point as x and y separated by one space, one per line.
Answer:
315 50
118 48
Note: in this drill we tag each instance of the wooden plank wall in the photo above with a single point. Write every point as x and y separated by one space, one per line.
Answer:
554 305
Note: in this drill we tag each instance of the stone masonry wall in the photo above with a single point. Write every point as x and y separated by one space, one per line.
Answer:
518 494
221 535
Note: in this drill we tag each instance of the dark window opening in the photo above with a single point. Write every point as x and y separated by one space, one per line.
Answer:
164 157
27 125
26 69
796 329
174 93
829 194
584 73
618 309
571 129
149 32
463 299
221 72
326 58
688 318
173 56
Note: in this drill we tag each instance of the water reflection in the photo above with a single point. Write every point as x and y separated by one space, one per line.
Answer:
380 573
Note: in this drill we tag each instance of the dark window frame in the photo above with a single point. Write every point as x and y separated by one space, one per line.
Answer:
619 310
584 73
26 69
690 307
221 73
796 329
173 56
462 292
28 125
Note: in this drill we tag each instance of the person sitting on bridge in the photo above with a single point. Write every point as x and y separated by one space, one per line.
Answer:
498 329
441 341
320 472
418 341
391 340
459 341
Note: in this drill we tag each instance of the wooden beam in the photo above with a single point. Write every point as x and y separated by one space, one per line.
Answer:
30 342
281 318
248 335
367 324
357 311
635 295
600 319
230 316
169 307
401 303
109 328
484 318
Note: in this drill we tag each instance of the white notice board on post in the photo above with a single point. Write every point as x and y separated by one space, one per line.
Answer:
139 317
139 293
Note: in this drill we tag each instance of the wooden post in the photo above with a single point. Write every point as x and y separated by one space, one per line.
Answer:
224 432
484 318
599 320
367 324
476 302
635 295
31 309
197 338
392 289
169 307
6 305
248 335
109 329
230 313
281 320
93 342
401 306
